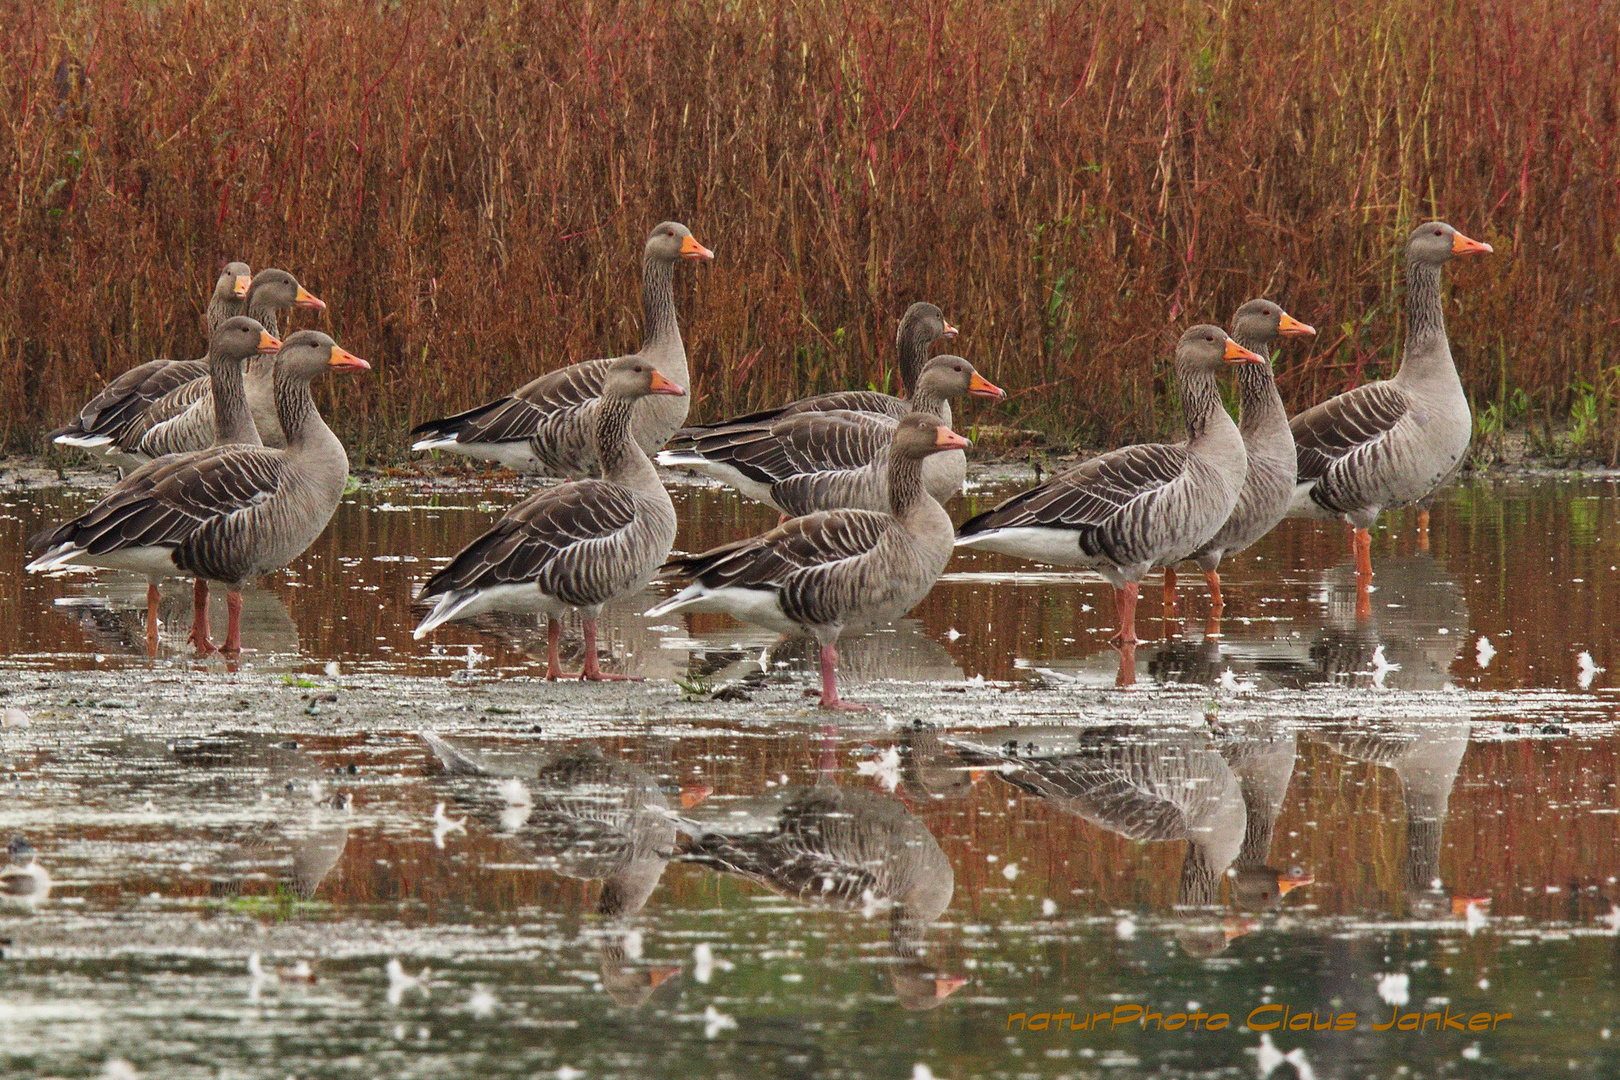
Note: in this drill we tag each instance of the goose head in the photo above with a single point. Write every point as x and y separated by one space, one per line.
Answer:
631 377
1260 888
20 850
1436 243
277 289
951 377
310 353
1263 322
924 323
233 282
1206 348
670 240
919 435
240 337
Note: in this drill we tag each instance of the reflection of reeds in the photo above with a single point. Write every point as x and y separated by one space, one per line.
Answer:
470 189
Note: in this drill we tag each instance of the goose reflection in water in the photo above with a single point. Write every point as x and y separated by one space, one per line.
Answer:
305 839
842 849
902 651
111 612
1152 786
592 818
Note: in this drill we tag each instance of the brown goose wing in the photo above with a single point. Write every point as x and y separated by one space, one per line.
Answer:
126 396
554 399
862 401
165 503
1346 425
1099 499
548 538
803 443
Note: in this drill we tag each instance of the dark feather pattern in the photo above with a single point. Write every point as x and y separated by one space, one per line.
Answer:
1106 500
803 443
110 412
1334 440
860 401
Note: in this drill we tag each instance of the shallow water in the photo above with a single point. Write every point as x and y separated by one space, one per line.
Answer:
687 884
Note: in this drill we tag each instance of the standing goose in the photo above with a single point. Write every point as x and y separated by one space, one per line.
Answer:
1390 444
183 419
1129 511
833 459
545 427
1267 443
227 514
837 570
236 341
921 326
101 423
578 545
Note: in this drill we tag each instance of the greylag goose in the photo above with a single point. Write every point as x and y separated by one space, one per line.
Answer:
841 849
1267 443
183 419
832 459
1260 753
1389 444
227 514
1145 786
921 326
101 423
23 883
837 570
545 427
578 545
1129 511
236 340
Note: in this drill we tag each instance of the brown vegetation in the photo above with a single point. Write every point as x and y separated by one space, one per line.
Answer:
469 186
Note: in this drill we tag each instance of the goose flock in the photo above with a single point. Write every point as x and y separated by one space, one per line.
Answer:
230 473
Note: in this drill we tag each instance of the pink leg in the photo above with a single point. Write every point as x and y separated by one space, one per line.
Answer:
1125 600
1362 541
1169 596
151 618
829 682
1423 530
233 623
1127 665
593 669
199 619
554 669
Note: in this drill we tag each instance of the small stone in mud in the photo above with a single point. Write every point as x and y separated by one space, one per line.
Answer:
730 693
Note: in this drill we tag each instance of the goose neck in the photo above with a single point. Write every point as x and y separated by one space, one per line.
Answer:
1200 403
913 350
222 306
233 420
927 399
658 304
295 409
262 310
1423 836
1200 877
1426 343
619 454
905 485
1259 402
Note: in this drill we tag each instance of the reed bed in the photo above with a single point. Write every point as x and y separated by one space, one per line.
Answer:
469 187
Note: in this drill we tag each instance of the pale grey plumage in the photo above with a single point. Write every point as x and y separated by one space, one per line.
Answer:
1389 444
546 426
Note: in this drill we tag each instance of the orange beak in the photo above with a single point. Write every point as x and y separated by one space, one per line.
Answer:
691 249
983 387
1236 927
1461 245
305 298
1286 884
268 342
241 286
1288 326
660 975
1237 354
946 985
950 440
1459 904
949 331
344 360
693 795
661 385
975 775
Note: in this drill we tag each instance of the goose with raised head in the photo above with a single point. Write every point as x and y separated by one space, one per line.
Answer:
832 459
577 545
841 849
1133 510
183 419
235 342
227 514
1268 445
921 326
836 570
100 425
1390 444
545 427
